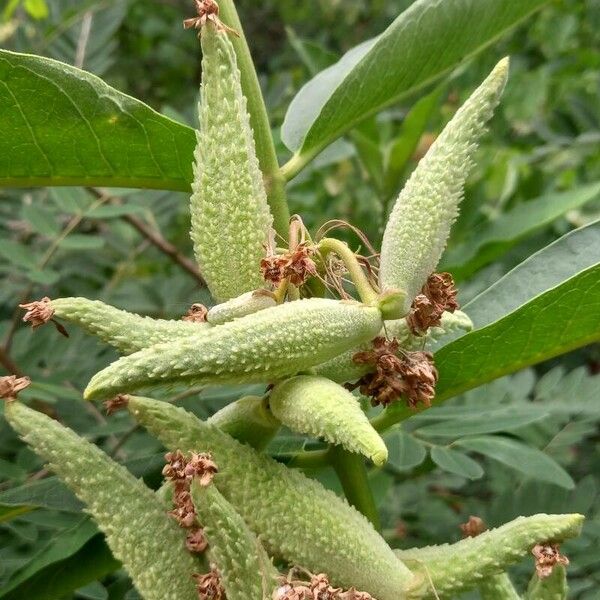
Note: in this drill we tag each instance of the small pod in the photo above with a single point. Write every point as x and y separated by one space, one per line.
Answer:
248 420
419 225
553 587
231 220
295 517
450 569
321 408
246 304
133 518
245 570
498 587
266 346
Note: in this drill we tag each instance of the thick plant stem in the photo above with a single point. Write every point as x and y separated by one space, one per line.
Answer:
351 470
363 287
259 120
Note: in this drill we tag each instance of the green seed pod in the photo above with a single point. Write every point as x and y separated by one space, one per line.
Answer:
450 569
133 518
245 569
321 408
498 587
266 346
125 331
243 305
231 220
295 517
342 368
419 224
248 420
553 587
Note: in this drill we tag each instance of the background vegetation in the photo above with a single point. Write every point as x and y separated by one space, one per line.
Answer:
537 177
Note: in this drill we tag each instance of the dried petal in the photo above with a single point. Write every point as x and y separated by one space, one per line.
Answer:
547 556
209 586
38 312
11 385
208 10
196 541
196 313
117 403
473 527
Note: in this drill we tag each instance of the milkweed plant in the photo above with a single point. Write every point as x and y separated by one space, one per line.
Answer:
312 320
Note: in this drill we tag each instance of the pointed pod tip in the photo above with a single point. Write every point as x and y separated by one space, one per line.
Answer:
380 457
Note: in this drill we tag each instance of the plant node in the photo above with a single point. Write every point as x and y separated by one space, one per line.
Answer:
11 385
296 266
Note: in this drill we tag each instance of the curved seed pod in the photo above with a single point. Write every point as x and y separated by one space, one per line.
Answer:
133 518
419 224
243 305
498 587
230 215
245 569
248 420
453 568
553 587
296 517
265 346
321 408
342 368
126 331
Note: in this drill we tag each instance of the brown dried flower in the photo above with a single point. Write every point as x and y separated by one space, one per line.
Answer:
196 313
208 10
547 556
117 403
473 527
209 586
409 374
353 594
184 512
437 295
297 266
196 541
287 591
322 590
11 385
202 467
40 312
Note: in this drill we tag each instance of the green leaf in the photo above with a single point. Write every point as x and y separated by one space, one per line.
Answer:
571 254
63 126
520 457
422 44
504 419
562 319
60 579
110 212
41 220
18 254
491 240
404 451
80 241
456 462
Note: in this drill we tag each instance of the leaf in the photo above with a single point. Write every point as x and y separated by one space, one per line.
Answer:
74 129
80 241
110 212
562 319
520 457
404 451
456 462
569 255
488 242
422 44
60 579
504 419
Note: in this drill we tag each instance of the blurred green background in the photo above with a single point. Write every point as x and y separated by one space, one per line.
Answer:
525 192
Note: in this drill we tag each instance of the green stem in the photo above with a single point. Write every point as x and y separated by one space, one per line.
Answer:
352 473
259 120
363 287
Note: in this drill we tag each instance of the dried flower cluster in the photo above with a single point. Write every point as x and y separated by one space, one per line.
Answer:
117 403
318 588
209 586
437 296
408 374
181 471
547 556
296 266
11 385
40 312
196 313
473 527
208 10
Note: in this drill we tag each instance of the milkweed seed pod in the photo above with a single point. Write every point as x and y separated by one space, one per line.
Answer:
245 569
295 517
266 346
246 304
342 368
231 220
454 568
248 420
552 587
419 224
321 408
133 518
498 587
125 331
